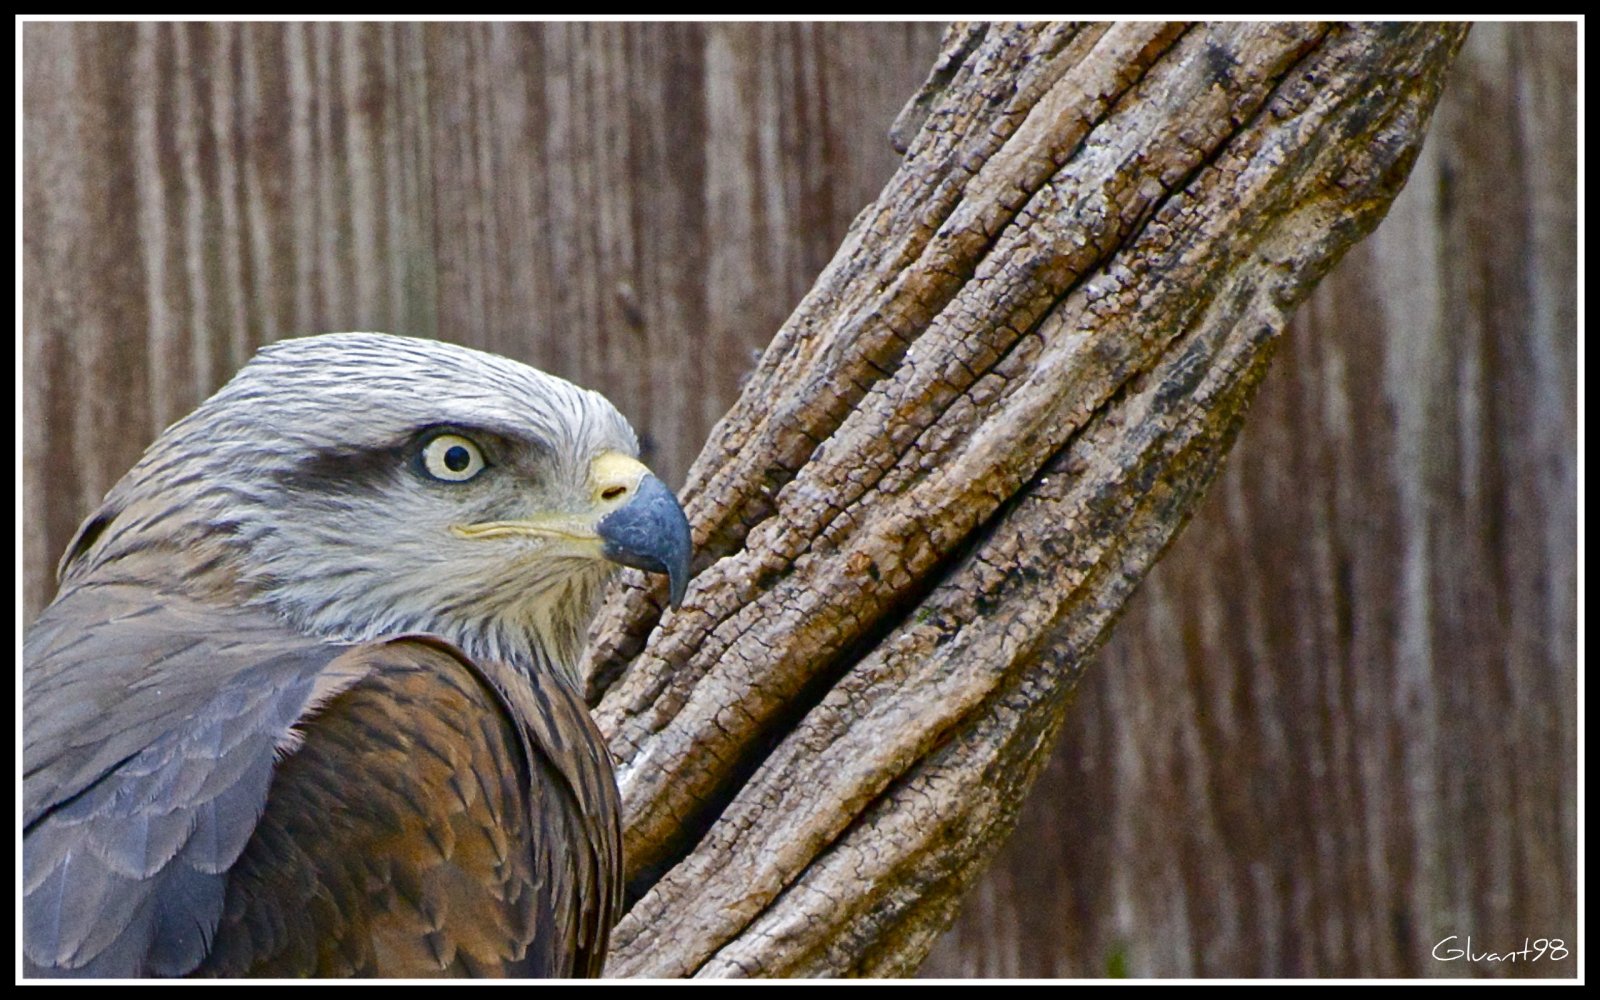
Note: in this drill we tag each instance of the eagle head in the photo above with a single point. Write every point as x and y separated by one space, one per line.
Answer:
362 485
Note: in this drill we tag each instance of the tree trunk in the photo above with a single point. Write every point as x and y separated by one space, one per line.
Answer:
961 453
1337 723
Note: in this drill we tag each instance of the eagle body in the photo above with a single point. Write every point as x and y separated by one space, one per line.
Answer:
306 702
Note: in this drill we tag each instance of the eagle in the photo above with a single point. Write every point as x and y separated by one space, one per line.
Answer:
307 700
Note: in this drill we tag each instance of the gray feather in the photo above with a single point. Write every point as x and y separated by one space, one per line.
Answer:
133 821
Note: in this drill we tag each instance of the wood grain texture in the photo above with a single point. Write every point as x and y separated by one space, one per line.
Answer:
638 208
1337 724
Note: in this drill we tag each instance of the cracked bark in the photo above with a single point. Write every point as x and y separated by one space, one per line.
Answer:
977 432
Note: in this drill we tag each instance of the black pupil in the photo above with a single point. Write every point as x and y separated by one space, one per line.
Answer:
457 458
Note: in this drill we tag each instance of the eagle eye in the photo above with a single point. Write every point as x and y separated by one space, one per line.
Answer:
452 458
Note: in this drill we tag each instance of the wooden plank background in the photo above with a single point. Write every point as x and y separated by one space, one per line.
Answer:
1338 722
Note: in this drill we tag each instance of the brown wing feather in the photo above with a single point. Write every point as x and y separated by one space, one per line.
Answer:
416 832
567 745
437 817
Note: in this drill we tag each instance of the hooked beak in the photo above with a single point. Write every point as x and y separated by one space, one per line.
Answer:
650 532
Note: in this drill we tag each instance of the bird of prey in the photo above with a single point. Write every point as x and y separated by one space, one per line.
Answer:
307 702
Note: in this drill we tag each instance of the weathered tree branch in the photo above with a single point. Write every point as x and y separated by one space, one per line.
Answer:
958 458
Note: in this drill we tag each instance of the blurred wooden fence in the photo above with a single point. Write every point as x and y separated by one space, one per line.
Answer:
1337 725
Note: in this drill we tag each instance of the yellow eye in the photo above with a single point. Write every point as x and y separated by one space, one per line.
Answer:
452 458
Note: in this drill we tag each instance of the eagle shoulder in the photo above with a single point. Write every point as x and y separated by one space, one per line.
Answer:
208 792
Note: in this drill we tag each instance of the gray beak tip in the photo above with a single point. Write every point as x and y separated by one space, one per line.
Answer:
650 532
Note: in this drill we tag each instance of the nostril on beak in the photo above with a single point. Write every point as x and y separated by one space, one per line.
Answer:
613 492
